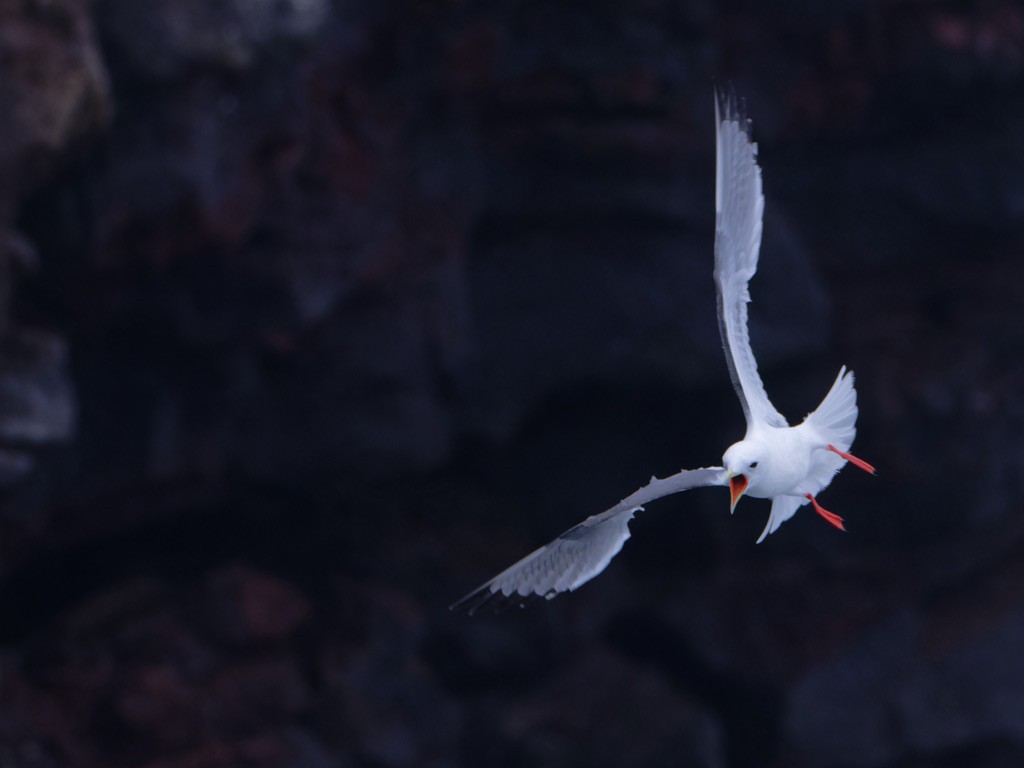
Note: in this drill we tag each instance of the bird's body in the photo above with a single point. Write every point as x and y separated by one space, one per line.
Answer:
786 451
789 465
792 465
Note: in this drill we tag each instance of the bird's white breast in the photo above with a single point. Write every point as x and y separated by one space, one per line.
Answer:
787 465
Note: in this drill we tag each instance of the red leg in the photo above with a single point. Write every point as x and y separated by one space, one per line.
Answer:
831 517
860 463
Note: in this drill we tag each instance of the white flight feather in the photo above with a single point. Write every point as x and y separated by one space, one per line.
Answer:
739 210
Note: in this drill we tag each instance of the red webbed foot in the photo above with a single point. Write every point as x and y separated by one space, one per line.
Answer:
830 517
859 463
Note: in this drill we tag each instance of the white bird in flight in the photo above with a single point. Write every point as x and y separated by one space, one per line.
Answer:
789 465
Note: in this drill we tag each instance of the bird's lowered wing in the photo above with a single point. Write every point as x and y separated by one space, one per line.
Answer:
582 552
739 210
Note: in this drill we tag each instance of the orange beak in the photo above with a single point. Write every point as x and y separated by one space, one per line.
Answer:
737 485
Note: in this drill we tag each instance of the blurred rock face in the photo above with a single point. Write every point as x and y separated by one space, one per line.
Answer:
360 243
55 92
53 85
164 39
314 314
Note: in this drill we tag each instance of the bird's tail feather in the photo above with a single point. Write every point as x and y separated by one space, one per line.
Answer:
835 419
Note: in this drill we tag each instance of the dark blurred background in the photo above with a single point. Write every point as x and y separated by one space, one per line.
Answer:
314 315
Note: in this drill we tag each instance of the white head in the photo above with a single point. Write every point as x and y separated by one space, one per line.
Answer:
743 462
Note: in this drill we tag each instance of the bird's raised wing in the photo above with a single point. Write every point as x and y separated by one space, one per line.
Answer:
582 552
739 210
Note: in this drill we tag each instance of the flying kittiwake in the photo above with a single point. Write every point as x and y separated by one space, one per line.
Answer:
789 465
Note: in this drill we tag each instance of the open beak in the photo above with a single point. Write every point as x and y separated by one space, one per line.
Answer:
737 485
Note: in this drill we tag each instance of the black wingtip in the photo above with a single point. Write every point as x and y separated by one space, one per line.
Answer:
731 108
495 600
473 601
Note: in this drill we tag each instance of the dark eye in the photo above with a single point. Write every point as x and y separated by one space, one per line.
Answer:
753 465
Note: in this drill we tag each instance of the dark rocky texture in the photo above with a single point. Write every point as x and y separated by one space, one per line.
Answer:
313 315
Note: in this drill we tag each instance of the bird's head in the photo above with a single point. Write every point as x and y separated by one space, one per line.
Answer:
743 461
